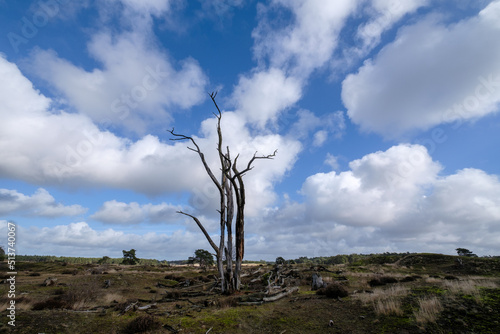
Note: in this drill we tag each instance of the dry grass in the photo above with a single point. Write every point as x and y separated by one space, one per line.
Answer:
470 287
432 280
113 297
385 301
388 306
81 295
396 291
22 303
429 309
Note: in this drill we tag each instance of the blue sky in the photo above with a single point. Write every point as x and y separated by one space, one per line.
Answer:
384 115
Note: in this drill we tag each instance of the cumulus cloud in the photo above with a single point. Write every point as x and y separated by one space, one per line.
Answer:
381 15
362 210
80 239
470 197
263 95
393 200
137 86
397 92
114 212
52 147
260 181
41 203
379 188
308 42
288 55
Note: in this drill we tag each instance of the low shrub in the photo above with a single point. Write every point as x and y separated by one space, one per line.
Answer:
383 280
142 324
173 295
333 290
70 272
49 304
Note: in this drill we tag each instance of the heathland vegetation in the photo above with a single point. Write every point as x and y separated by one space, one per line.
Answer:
379 293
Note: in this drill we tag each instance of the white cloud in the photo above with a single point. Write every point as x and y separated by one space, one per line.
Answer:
470 198
320 138
379 189
308 42
41 203
63 149
383 14
288 55
138 85
329 124
332 161
80 239
398 92
263 95
259 182
388 201
426 212
114 212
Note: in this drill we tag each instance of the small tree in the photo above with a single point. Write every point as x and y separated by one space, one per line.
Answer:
280 260
104 260
129 257
203 257
2 254
465 252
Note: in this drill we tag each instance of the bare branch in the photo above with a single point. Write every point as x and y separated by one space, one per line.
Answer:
202 157
202 228
212 96
249 165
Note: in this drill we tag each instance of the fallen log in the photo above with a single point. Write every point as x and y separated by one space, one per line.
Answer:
142 308
281 295
129 307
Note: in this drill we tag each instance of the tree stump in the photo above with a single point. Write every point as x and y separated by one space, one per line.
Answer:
317 282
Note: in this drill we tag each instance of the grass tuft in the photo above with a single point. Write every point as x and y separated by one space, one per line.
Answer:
388 306
429 310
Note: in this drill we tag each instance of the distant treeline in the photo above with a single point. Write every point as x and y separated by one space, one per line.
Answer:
351 259
359 259
82 260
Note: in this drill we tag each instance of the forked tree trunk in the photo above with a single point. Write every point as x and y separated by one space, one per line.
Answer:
230 187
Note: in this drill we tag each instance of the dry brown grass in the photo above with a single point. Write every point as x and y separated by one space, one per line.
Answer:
396 291
385 301
81 295
113 297
470 287
429 310
388 306
432 280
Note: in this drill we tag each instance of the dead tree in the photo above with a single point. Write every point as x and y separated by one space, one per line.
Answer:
231 191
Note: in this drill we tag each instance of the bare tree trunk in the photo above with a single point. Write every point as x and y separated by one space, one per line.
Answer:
230 186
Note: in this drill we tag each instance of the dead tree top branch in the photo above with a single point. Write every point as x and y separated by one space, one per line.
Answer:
230 187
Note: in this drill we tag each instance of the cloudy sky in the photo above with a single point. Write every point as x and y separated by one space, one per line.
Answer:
384 114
